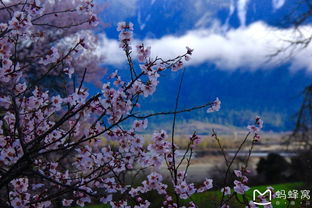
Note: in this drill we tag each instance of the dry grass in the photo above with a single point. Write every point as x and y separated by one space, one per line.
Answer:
230 137
269 141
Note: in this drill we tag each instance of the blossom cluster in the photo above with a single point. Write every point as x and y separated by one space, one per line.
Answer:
52 150
40 129
256 128
240 184
49 29
216 105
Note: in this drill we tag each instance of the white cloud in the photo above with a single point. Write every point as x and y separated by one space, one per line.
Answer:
246 47
278 4
109 48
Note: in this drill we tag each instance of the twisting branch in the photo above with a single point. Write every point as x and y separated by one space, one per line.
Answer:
172 112
214 134
230 164
54 13
175 170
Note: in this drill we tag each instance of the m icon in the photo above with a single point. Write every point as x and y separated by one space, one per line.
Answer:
256 192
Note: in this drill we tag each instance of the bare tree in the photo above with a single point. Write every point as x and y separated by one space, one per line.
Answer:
299 16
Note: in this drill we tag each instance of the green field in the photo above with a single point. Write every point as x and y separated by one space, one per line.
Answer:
211 199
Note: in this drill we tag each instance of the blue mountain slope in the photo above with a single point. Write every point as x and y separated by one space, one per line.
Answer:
275 93
161 17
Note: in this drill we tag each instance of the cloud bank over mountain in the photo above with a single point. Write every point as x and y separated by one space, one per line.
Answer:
247 47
